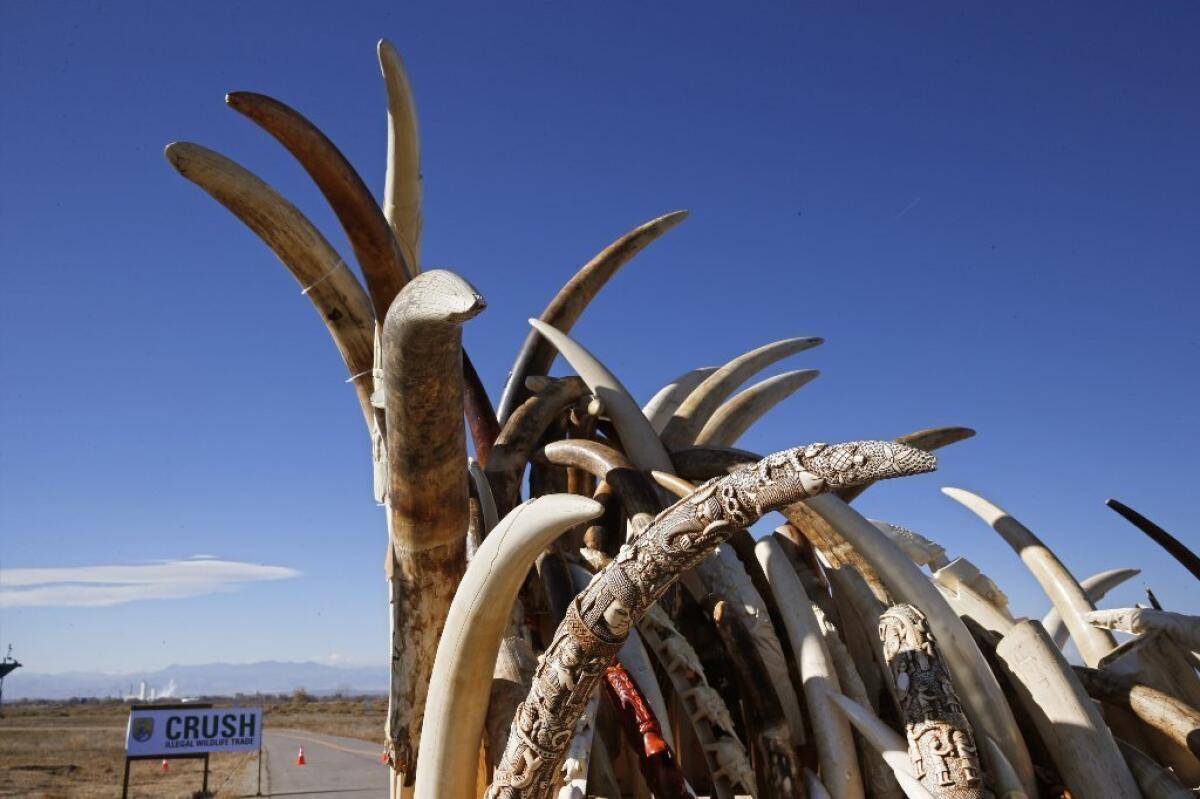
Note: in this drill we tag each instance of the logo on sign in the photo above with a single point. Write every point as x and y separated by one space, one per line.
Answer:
143 728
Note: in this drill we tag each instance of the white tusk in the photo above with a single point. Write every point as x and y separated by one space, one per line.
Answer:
483 490
835 743
1066 719
1096 587
662 406
1004 777
466 656
642 445
402 184
1051 574
736 416
972 593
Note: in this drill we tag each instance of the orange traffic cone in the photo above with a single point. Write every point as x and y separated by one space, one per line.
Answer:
164 766
299 757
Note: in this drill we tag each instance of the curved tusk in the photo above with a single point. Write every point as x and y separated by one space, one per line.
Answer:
927 700
1175 719
521 434
605 463
483 490
983 699
460 682
427 483
1068 722
694 412
662 406
402 186
1096 588
675 485
1004 777
374 244
1173 545
1154 781
321 273
735 417
929 440
537 353
598 619
1051 574
1184 629
835 743
639 439
886 741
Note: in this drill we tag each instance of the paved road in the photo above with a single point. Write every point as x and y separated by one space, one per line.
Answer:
339 768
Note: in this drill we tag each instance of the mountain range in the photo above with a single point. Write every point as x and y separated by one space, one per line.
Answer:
209 679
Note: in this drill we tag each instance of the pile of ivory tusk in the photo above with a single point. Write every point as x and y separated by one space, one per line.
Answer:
619 632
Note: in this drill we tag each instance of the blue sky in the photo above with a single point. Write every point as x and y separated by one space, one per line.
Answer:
990 213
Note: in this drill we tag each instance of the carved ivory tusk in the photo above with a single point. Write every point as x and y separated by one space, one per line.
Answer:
835 743
374 244
1096 588
1051 574
599 618
983 699
402 185
1066 719
1154 781
1173 545
537 353
662 406
694 412
639 439
321 273
427 486
575 765
1184 629
466 655
735 416
928 440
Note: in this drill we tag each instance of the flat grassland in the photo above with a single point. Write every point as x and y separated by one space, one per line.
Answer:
77 749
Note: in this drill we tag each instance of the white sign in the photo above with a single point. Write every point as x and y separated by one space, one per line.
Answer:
186 731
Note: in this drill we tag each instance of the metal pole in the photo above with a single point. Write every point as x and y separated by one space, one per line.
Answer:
204 788
125 782
259 791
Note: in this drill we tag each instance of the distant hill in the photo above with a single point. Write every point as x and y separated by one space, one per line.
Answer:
210 679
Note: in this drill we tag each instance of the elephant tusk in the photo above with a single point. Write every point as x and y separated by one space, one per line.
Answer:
460 682
1154 781
694 412
662 406
483 490
734 417
1190 560
324 277
537 353
1051 574
1184 629
1096 588
605 463
402 185
929 440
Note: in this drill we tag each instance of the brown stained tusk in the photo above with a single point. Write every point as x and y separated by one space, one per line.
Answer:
460 682
402 185
521 434
481 419
599 618
929 440
676 485
1177 720
737 415
427 483
375 246
639 440
605 463
662 406
1079 741
694 412
537 354
1096 587
483 491
1176 548
1051 574
323 276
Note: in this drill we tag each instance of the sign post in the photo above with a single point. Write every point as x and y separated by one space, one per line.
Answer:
192 730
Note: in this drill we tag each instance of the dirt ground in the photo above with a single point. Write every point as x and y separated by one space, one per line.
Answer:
77 749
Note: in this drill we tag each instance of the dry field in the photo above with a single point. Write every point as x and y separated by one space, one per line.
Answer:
76 749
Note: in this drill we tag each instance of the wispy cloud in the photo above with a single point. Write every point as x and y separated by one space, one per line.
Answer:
99 586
